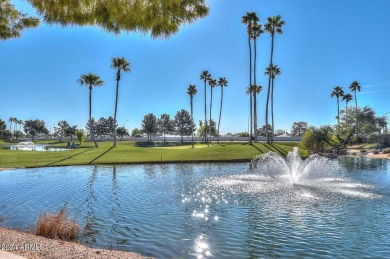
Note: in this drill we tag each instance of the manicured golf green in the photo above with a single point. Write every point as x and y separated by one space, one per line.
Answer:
126 153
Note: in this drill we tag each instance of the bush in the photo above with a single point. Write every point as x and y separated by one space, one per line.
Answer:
376 152
386 151
57 226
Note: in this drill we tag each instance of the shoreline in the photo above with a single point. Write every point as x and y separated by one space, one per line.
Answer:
35 247
349 155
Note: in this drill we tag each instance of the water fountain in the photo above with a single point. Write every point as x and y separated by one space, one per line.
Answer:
24 145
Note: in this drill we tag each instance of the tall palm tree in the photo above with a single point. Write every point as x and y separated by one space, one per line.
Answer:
355 87
338 92
91 80
249 19
212 84
274 71
120 64
191 91
205 76
10 120
347 98
222 82
256 32
273 25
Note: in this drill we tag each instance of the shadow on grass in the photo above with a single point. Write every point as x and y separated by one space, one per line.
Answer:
280 150
105 152
68 157
261 151
275 149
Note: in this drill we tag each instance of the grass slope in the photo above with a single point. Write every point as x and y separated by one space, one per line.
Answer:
126 153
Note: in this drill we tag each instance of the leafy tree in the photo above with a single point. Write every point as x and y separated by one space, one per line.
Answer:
150 125
3 127
13 22
212 84
136 132
279 132
35 128
243 134
70 132
184 124
120 64
165 124
60 131
80 135
222 82
202 128
298 128
91 80
89 128
264 130
160 18
191 91
6 134
322 138
121 132
273 25
249 19
205 76
338 92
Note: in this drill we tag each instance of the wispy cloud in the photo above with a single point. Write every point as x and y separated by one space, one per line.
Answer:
375 85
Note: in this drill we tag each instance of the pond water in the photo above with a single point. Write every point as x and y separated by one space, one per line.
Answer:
36 147
225 210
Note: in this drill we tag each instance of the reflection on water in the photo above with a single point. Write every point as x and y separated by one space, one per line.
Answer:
211 210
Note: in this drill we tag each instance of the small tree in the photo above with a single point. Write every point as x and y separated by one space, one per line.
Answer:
165 124
3 127
121 132
202 128
150 125
184 124
34 128
80 135
298 128
264 131
136 132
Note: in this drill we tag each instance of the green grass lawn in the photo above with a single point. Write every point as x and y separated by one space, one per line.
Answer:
127 152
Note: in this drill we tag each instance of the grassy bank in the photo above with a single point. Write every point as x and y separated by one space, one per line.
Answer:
126 152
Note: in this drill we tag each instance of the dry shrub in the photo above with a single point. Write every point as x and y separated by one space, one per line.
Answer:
57 226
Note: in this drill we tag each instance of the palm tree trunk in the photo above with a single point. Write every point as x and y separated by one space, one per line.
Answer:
255 92
272 110
269 88
116 105
211 104
192 128
220 113
90 117
205 113
338 112
250 87
356 115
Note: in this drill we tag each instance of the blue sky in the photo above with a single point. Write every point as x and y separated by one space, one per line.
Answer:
324 44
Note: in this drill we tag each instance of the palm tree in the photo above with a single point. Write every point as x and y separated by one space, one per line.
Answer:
347 98
120 64
91 80
338 92
10 120
256 32
191 91
254 90
222 82
205 76
275 70
274 25
249 19
355 87
212 84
